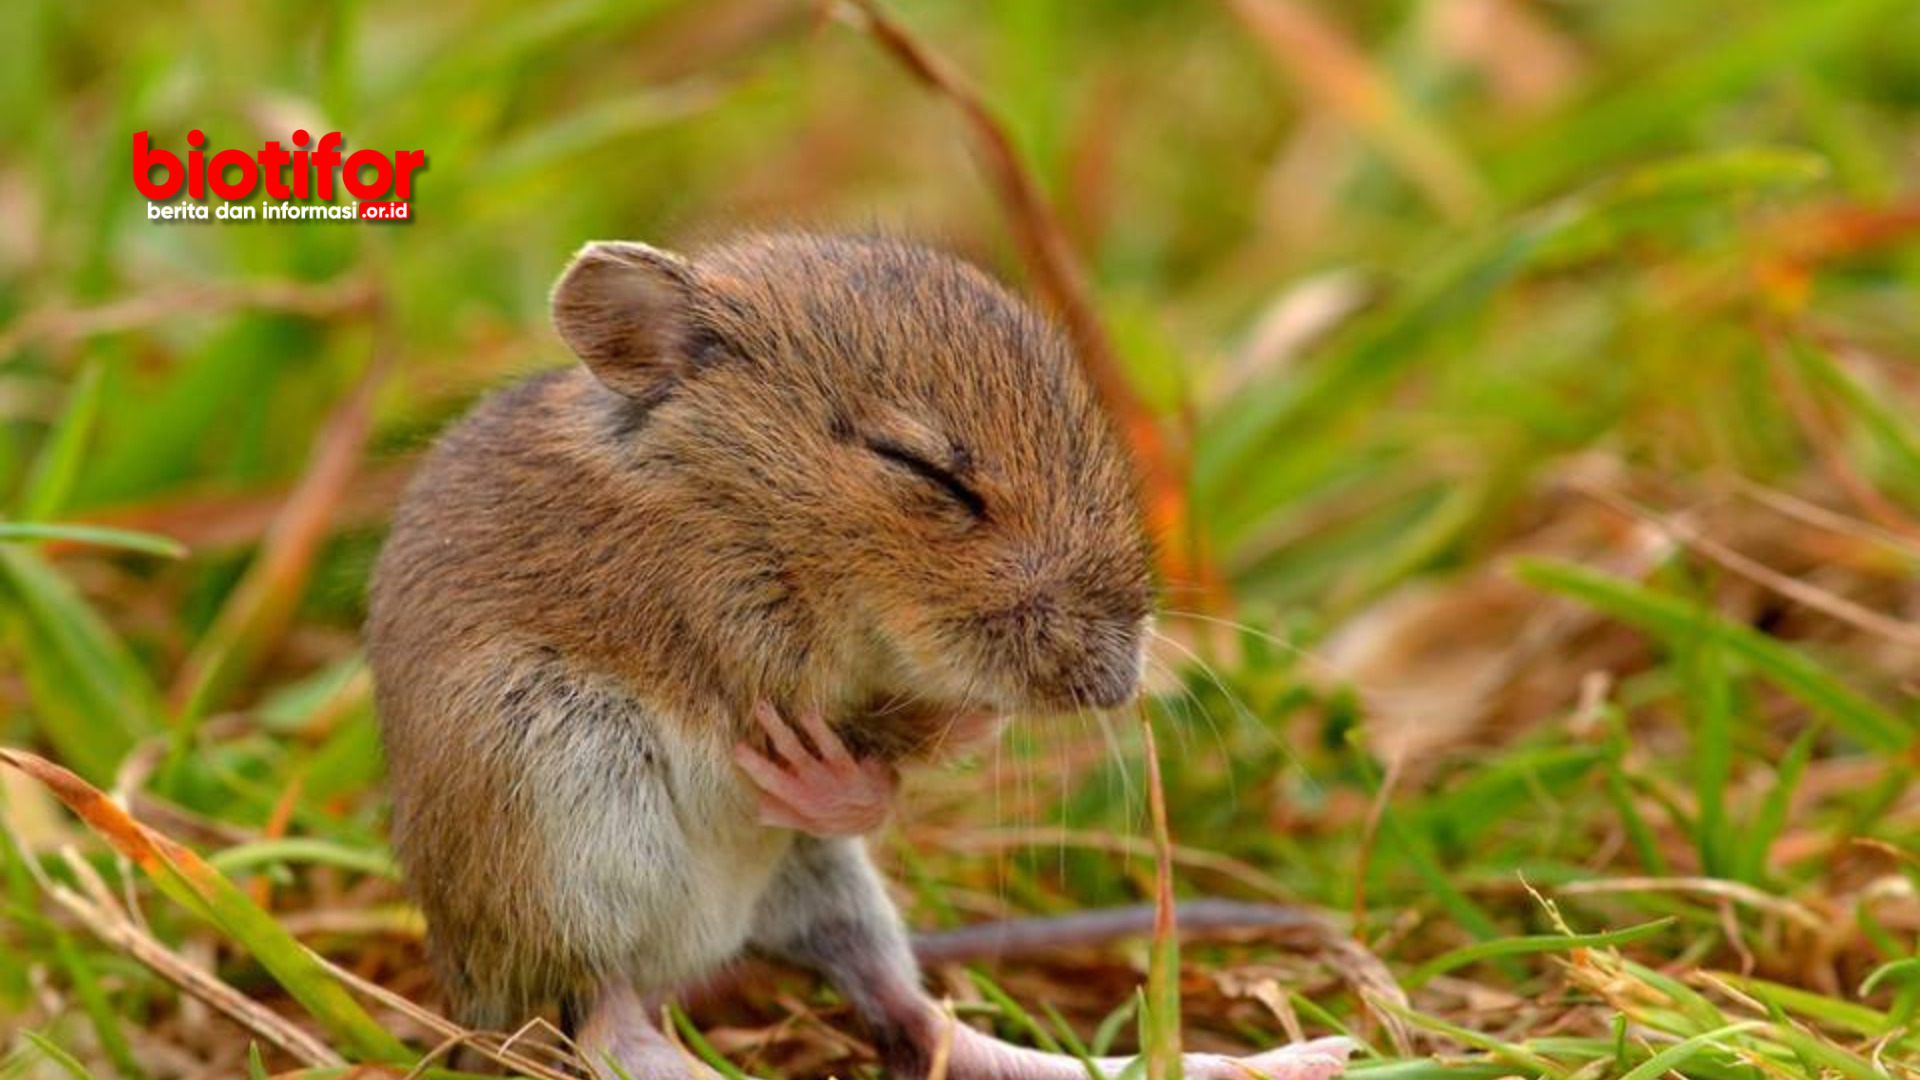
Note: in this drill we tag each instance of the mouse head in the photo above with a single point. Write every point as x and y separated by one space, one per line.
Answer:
881 461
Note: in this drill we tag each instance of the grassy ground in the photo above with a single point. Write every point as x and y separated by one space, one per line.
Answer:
1538 381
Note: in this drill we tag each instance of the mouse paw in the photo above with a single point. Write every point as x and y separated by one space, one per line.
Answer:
823 791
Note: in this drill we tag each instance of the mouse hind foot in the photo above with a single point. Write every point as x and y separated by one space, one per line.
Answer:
1321 1059
615 1035
975 1055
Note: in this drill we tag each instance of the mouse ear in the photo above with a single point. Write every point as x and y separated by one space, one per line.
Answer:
626 309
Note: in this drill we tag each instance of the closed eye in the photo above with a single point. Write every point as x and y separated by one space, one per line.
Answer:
940 477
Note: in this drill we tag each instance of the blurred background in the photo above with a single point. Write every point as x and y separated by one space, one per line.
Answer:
1531 386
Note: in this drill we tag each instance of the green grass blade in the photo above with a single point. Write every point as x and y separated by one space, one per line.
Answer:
1832 1012
1010 1009
1320 1014
1069 1042
1905 971
67 1062
245 857
1677 620
201 889
1110 1025
99 1009
1771 819
92 700
701 1048
1620 794
1419 854
1673 1057
1693 1010
1710 693
1826 1055
1539 943
1893 430
58 464
1728 60
1505 1051
96 535
1276 421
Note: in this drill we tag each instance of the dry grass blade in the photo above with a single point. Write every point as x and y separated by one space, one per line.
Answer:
487 1044
57 324
1332 71
189 881
1358 282
1823 436
108 923
1735 891
1057 273
1820 517
943 1049
983 841
1369 835
218 522
1160 1025
1374 985
1803 242
262 605
1691 538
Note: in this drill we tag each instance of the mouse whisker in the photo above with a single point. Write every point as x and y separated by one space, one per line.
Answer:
893 704
1313 657
1193 702
1241 710
1119 755
1319 661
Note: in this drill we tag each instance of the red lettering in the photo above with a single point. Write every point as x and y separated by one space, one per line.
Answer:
325 160
145 158
273 165
236 174
196 165
300 164
382 172
404 163
249 174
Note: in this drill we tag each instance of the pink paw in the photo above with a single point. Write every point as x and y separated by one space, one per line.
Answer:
824 791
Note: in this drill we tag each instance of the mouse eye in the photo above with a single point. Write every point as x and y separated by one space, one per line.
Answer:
939 476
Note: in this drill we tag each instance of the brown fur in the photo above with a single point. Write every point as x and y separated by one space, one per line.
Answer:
602 568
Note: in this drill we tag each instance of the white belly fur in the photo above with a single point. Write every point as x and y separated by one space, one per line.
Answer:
653 848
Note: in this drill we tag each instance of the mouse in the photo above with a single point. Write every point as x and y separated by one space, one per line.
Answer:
653 634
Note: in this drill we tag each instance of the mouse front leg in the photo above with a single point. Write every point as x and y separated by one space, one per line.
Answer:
827 911
822 790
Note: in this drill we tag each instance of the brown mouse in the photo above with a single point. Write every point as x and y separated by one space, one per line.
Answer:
652 634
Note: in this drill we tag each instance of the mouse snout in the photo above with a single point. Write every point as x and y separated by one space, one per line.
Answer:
1055 658
1086 632
1110 672
1056 631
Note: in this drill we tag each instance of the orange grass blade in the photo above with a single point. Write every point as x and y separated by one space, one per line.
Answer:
1161 1022
1330 69
186 879
1062 280
262 605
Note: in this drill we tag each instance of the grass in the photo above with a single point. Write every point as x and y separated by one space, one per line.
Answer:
1532 389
